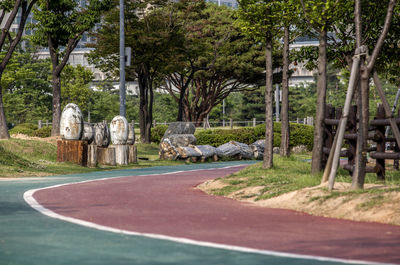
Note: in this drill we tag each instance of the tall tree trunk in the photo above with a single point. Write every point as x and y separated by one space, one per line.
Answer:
145 106
3 123
56 84
269 123
142 105
149 117
181 103
285 133
316 163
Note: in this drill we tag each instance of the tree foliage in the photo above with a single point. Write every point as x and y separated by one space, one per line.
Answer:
229 61
60 26
27 89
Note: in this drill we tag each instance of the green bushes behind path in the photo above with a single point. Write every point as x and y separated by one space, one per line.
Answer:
300 134
31 130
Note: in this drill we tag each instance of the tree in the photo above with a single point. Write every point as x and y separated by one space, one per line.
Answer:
225 61
60 26
151 33
258 19
366 67
27 88
320 16
75 86
8 43
290 17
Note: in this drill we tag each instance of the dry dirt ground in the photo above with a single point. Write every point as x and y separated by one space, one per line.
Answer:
383 207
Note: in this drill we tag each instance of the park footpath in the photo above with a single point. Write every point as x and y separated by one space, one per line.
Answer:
158 216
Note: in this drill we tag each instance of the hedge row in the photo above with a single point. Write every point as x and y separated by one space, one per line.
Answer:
300 134
31 130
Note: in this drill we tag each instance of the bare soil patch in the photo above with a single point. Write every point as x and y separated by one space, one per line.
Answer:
371 206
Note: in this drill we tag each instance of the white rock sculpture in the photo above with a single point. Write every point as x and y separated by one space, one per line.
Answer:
119 130
71 123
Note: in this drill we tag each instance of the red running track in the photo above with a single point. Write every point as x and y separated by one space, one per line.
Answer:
169 204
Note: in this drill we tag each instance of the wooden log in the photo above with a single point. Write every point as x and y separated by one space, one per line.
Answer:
343 153
74 151
332 122
132 154
383 155
92 156
384 122
106 156
368 169
380 143
121 153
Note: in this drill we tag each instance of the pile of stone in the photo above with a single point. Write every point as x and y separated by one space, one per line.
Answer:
91 144
179 142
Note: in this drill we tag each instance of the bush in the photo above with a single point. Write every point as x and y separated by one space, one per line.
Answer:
299 135
157 133
24 128
43 132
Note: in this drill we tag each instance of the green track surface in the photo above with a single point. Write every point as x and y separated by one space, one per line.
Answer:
28 237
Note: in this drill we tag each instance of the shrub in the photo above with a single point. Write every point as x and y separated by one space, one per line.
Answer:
157 133
43 132
299 135
24 128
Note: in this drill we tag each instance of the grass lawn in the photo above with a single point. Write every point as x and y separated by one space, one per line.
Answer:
293 173
27 158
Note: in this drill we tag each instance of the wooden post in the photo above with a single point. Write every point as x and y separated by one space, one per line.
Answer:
352 128
106 156
74 151
47 123
380 143
39 124
328 133
121 153
386 107
343 121
254 122
231 123
92 156
154 123
132 154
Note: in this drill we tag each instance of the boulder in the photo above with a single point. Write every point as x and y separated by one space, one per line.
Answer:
228 150
88 132
179 140
187 152
119 130
245 151
180 128
167 150
260 144
101 135
206 151
71 122
258 149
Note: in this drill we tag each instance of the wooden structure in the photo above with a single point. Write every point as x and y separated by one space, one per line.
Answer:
376 135
75 151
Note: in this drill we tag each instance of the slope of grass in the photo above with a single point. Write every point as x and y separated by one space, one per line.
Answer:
23 158
290 174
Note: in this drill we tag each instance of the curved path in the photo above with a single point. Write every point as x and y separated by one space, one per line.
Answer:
168 206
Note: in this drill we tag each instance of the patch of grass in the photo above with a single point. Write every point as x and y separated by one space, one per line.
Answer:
26 158
288 174
374 201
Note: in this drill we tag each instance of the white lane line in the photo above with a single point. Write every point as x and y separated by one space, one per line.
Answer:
28 197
